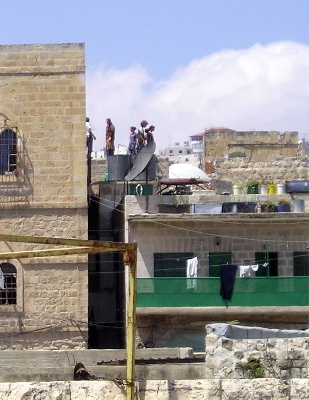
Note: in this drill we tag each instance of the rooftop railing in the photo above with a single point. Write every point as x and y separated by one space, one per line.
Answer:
205 292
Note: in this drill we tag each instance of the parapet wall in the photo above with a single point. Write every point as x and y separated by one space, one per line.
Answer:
257 145
240 170
272 353
214 389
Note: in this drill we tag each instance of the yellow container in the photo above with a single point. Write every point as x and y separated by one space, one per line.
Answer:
272 189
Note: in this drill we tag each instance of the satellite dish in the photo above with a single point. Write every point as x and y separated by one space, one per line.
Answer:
141 161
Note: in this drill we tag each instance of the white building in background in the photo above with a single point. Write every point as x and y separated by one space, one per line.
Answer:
189 153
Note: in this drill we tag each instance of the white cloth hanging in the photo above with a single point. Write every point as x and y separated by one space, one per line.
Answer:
1 279
246 271
192 267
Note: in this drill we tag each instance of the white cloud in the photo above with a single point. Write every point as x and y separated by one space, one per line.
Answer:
263 88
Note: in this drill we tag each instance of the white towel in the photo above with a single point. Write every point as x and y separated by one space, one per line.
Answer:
192 267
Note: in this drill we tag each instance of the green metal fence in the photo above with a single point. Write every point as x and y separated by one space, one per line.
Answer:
205 292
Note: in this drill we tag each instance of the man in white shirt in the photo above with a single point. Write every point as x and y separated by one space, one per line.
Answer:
89 138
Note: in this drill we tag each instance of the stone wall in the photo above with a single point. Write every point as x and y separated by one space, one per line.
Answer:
43 95
241 156
241 170
255 352
258 145
42 99
210 389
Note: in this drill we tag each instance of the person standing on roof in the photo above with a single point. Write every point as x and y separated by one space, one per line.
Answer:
89 138
141 135
133 141
110 138
149 133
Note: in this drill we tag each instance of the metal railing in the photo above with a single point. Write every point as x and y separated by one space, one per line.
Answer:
205 292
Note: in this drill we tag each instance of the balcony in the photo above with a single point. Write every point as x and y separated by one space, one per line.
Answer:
205 292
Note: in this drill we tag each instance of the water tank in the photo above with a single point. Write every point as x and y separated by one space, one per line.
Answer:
297 186
118 167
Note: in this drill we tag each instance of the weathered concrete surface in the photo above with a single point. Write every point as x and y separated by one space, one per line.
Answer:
212 389
47 366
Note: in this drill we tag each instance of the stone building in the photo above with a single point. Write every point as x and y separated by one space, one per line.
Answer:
264 156
43 192
172 307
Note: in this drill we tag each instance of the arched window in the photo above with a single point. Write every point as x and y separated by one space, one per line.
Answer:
8 275
8 150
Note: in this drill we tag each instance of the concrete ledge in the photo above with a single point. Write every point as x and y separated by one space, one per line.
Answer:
47 366
266 314
249 332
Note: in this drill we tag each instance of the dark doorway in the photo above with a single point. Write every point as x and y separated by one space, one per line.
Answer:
301 263
268 263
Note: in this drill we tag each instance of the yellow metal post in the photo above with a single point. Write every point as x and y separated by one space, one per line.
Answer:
130 260
79 246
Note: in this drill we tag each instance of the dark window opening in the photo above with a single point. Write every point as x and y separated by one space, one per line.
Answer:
8 284
171 264
301 263
8 151
268 263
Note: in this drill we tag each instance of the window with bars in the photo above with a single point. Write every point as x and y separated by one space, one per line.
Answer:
8 288
8 151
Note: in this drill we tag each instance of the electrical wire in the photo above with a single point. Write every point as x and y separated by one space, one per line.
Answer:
224 223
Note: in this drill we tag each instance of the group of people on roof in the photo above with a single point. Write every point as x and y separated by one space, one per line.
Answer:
140 137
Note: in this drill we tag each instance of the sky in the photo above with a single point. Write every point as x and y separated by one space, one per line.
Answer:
183 65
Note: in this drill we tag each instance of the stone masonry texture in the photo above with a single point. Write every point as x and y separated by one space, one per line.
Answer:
42 98
264 156
202 389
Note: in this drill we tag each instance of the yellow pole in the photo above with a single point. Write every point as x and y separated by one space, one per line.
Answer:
131 259
92 246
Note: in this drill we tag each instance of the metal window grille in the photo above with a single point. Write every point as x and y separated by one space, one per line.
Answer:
8 294
11 154
8 150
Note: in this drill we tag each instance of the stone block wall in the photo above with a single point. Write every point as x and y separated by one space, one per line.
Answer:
275 355
265 156
258 145
43 95
42 98
208 389
241 170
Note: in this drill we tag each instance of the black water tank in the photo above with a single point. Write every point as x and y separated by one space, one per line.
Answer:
118 167
297 186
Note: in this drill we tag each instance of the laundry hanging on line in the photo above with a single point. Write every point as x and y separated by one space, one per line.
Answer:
192 269
227 280
249 270
246 271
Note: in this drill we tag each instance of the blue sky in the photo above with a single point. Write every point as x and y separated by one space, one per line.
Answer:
184 65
